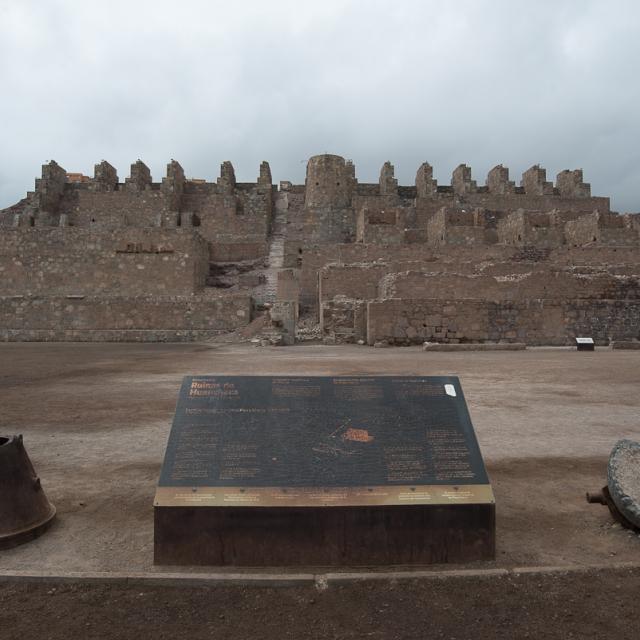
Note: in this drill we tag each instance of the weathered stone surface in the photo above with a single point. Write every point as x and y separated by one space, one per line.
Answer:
122 318
284 316
458 264
626 344
79 261
485 346
623 479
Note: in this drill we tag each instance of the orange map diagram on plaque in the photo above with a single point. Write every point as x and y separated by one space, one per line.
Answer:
357 435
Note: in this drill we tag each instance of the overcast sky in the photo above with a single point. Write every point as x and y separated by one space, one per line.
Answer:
479 82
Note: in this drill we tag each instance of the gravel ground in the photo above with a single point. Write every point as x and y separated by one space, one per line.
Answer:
581 605
95 419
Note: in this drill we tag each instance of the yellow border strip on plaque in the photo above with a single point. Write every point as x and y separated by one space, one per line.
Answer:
323 497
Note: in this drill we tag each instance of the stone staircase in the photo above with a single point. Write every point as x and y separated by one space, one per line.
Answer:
275 261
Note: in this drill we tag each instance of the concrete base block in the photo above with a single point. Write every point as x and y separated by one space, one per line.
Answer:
626 344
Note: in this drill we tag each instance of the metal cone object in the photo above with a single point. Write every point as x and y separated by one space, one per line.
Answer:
25 512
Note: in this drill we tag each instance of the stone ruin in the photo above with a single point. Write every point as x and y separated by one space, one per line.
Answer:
183 259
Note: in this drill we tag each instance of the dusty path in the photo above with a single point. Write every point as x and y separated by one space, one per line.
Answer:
600 605
96 418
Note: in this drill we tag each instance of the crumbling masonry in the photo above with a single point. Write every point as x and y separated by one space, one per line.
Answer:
98 259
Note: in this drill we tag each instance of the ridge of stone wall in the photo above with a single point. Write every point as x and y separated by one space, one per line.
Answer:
140 318
543 258
79 261
535 322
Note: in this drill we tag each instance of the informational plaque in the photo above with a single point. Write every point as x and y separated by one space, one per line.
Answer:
260 449
585 344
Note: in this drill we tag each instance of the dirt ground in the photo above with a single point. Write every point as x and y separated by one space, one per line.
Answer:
600 605
95 419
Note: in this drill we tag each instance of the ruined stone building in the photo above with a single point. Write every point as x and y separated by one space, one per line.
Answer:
98 259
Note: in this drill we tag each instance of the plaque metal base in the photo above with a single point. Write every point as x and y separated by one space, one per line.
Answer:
336 536
322 471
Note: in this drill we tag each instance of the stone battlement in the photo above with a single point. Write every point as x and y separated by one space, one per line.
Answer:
534 262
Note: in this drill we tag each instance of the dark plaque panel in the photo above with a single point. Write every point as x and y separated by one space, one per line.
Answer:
585 344
249 449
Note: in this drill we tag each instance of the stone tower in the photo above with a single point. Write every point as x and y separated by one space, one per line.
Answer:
329 183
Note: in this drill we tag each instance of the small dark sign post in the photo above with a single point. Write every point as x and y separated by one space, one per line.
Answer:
322 471
585 344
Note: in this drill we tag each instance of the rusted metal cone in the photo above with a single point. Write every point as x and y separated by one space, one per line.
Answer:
25 512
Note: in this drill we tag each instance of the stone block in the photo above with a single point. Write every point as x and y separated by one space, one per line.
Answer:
623 479
626 344
284 317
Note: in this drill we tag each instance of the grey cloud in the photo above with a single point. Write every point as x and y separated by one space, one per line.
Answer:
480 82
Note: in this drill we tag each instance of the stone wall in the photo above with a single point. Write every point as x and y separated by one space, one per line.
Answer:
535 322
288 287
381 226
118 209
457 227
316 258
309 227
536 295
61 261
601 229
395 257
484 199
105 177
50 187
121 318
509 263
354 281
344 321
224 212
508 257
570 184
237 251
239 218
139 178
541 283
540 230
